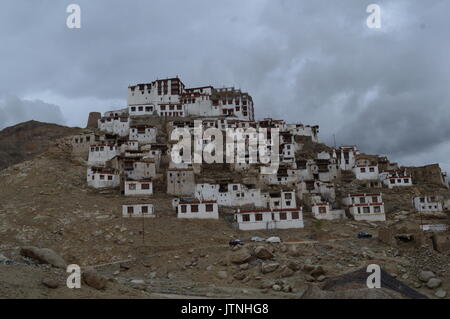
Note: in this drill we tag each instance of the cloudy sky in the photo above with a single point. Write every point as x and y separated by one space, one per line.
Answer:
386 90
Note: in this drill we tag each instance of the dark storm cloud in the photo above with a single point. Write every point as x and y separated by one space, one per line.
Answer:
14 110
308 61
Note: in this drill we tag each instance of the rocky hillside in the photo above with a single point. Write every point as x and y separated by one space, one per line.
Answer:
25 140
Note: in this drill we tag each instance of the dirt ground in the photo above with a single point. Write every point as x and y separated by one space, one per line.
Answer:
45 202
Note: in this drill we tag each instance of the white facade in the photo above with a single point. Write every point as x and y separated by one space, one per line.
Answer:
102 178
99 154
198 209
138 187
230 194
138 210
142 169
144 134
269 219
321 210
396 179
119 125
368 207
427 204
366 172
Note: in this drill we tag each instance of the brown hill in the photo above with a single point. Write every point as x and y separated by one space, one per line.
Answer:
23 141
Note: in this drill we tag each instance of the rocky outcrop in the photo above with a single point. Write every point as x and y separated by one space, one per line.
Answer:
43 256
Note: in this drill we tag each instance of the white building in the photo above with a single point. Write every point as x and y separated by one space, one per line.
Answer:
144 134
368 207
138 210
138 187
231 194
346 156
141 169
366 172
197 209
99 154
282 200
322 210
428 204
258 219
100 177
396 178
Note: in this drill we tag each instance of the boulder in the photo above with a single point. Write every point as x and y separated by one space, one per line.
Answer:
287 272
262 252
93 279
50 283
239 275
441 293
317 271
269 267
434 283
44 256
426 275
294 265
221 274
241 256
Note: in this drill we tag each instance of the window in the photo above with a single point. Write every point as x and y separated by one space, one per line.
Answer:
110 178
130 210
140 108
102 177
366 210
322 210
362 200
374 199
246 217
288 203
283 216
422 200
132 187
288 196
183 208
371 169
145 186
406 180
363 169
294 215
194 208
235 187
133 109
377 209
144 209
392 181
258 217
209 207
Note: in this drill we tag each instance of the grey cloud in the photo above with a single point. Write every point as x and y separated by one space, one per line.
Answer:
14 110
305 61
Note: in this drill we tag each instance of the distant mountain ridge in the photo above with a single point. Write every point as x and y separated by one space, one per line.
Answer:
25 140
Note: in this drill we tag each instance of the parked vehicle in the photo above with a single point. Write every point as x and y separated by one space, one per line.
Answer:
257 239
364 235
235 242
274 240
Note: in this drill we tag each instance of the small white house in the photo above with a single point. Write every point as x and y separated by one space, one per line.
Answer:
322 210
144 134
369 207
427 204
366 172
138 187
269 219
99 177
396 178
138 210
99 154
197 209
